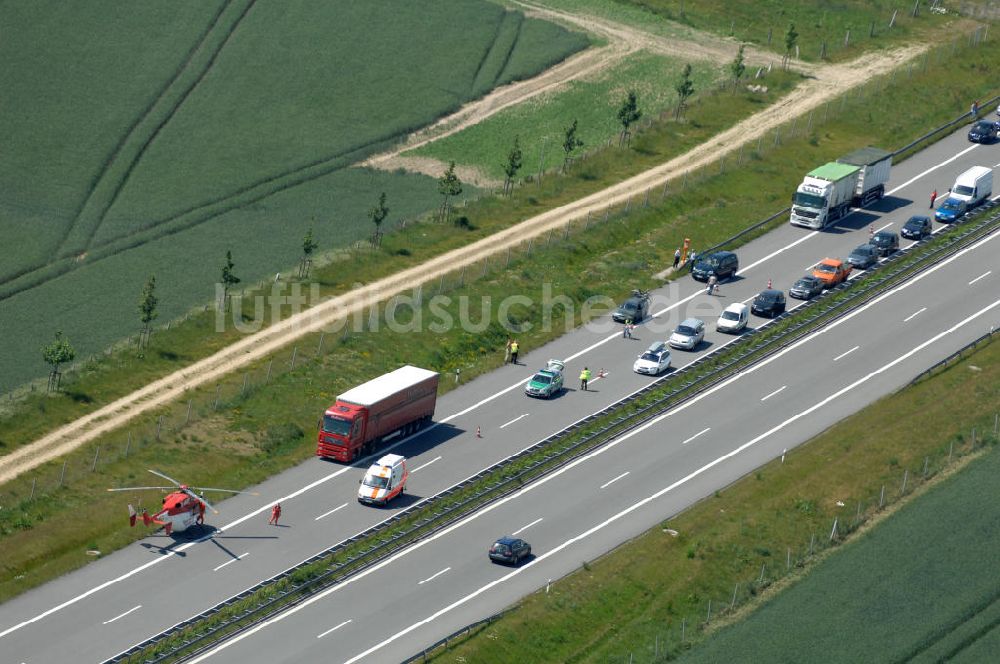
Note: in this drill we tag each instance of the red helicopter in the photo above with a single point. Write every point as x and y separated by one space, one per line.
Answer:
182 508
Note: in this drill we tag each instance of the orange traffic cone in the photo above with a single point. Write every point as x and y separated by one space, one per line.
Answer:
871 230
769 284
479 432
601 374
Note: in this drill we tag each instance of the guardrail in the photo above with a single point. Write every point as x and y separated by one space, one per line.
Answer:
337 563
988 337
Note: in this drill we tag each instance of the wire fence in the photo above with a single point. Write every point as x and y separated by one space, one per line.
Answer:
671 635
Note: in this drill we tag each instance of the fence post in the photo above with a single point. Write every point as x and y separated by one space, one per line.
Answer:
128 444
319 346
187 418
812 543
926 462
291 365
62 475
32 494
833 531
708 616
159 425
246 377
881 498
683 625
97 454
270 362
763 566
788 552
732 605
218 387
906 475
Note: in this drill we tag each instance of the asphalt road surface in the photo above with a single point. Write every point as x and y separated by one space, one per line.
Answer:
572 516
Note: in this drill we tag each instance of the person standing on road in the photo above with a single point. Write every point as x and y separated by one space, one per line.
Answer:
513 351
694 256
275 514
975 109
627 330
677 257
584 378
933 198
712 283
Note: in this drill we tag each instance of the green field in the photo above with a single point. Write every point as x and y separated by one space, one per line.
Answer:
541 122
156 150
920 587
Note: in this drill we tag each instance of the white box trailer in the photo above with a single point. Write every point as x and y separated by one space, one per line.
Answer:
875 165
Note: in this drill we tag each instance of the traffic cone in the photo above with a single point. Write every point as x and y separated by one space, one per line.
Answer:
769 284
479 432
601 374
871 230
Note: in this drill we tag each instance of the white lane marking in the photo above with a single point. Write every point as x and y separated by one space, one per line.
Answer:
171 553
437 458
780 389
749 298
648 499
332 629
514 420
931 170
598 377
914 315
884 227
433 576
706 430
523 528
984 274
330 512
134 608
229 562
846 353
338 472
612 481
610 446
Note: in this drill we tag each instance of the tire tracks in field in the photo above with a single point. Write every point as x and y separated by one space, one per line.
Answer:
828 83
130 150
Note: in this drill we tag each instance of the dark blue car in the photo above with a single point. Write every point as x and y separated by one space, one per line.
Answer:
984 131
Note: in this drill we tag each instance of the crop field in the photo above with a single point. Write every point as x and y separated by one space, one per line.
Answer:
135 148
541 122
920 587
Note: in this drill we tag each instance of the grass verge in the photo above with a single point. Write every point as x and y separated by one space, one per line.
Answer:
228 430
762 529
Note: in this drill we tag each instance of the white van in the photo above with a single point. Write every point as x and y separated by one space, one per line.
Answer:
973 186
734 318
385 480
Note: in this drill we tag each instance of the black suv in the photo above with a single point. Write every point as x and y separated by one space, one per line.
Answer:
635 309
510 550
886 242
723 264
917 228
770 303
984 131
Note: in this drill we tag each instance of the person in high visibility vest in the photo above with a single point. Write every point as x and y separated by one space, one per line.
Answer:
584 378
513 352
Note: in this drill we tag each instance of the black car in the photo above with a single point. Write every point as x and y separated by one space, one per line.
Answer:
984 131
509 550
635 309
886 242
863 257
917 228
723 264
806 288
770 303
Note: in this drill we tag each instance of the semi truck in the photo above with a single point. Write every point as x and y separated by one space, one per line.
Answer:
827 193
401 401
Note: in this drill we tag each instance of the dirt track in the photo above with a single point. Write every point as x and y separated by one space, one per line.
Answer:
828 82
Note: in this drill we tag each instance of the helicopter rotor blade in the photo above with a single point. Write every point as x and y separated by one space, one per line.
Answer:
145 488
166 477
208 488
201 499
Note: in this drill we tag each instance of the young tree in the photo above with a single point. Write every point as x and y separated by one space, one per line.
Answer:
628 115
378 214
512 166
147 310
791 39
449 185
684 88
570 143
738 67
56 353
308 247
229 278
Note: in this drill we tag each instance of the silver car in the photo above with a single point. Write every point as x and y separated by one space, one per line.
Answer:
688 334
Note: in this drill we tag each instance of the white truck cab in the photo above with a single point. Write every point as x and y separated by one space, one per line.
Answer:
385 480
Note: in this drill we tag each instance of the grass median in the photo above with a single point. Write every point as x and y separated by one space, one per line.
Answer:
237 435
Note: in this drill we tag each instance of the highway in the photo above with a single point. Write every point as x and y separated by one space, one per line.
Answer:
106 607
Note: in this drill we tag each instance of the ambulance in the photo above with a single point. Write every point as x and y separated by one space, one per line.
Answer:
385 480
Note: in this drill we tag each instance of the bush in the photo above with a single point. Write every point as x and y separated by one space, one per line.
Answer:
277 436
